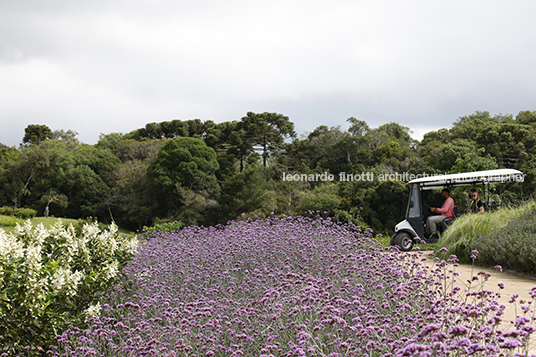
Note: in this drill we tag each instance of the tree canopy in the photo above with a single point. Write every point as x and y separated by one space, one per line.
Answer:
36 134
201 172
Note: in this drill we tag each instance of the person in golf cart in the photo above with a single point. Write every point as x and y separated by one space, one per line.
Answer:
446 211
477 206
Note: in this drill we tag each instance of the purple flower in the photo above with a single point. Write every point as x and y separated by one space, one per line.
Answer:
511 343
303 336
522 320
430 328
530 329
459 330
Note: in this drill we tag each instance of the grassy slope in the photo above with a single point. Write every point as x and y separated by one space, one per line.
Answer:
458 239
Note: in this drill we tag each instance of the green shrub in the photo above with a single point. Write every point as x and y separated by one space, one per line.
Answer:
23 213
52 278
6 211
512 246
10 221
322 198
351 216
464 234
165 227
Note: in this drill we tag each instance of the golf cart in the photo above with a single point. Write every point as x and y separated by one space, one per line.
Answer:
411 230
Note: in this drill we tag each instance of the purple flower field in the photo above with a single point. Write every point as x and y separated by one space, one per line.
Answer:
291 286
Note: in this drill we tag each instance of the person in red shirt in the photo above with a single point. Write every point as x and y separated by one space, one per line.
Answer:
447 210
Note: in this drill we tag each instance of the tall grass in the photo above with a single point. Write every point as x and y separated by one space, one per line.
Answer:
467 232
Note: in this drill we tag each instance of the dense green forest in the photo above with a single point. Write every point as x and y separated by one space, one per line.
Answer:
205 173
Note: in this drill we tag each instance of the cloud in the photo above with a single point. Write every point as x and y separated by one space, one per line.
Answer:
101 67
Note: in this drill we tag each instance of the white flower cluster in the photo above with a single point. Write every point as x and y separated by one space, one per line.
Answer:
93 311
10 246
59 231
64 280
109 271
57 261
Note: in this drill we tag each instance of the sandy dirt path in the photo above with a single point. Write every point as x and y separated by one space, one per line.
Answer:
513 284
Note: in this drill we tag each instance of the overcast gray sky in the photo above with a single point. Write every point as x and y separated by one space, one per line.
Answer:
104 66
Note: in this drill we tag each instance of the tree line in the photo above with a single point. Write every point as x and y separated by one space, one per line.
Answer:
197 172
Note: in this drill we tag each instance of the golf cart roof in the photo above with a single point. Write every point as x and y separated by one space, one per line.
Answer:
469 178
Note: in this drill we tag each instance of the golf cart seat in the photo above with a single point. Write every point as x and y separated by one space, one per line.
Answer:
445 223
448 221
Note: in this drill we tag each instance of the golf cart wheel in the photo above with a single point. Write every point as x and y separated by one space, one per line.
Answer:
404 241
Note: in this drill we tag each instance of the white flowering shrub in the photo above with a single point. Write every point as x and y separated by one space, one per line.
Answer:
50 278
